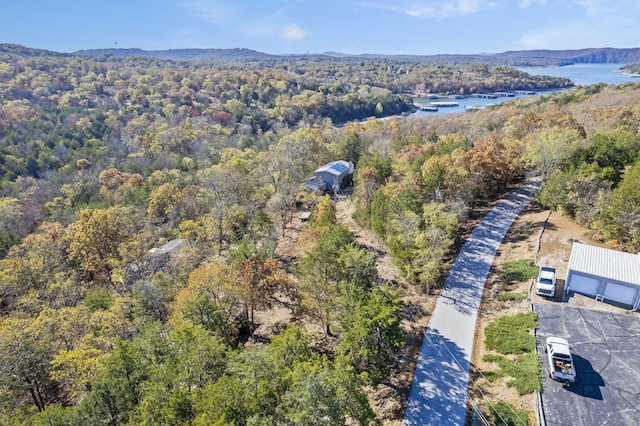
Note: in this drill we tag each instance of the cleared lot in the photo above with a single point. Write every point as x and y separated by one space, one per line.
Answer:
606 351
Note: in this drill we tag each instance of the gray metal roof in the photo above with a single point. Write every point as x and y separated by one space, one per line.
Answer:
314 184
335 168
171 246
606 263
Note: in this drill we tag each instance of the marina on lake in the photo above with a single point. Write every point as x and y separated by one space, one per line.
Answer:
581 74
476 101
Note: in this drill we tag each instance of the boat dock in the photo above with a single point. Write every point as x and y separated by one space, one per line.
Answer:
443 104
502 94
485 95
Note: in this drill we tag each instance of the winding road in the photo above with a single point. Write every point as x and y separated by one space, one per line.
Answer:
439 390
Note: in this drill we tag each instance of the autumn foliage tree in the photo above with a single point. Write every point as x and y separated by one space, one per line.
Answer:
260 281
96 239
211 298
493 163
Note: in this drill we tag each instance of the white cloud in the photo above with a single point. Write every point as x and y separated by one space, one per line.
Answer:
527 3
437 10
559 38
213 12
583 23
293 32
594 8
578 36
598 8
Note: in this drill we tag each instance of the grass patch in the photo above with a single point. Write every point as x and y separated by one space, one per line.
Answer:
509 334
503 413
511 296
519 270
525 371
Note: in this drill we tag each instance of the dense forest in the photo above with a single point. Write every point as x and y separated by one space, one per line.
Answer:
105 160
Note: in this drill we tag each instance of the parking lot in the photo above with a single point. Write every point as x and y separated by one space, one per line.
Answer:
605 345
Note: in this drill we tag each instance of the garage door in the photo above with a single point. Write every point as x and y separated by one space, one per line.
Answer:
584 285
620 293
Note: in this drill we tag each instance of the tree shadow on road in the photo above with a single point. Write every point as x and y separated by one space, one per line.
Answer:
439 389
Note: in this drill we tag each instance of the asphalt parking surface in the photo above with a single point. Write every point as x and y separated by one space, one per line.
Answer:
606 350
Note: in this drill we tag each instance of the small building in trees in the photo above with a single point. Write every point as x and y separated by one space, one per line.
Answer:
333 176
160 259
605 274
172 246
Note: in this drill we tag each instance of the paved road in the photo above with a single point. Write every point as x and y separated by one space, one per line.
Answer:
439 390
606 355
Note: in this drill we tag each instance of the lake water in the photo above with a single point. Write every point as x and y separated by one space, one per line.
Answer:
581 74
585 74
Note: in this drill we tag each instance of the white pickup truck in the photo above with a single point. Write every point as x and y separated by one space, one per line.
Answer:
546 282
561 366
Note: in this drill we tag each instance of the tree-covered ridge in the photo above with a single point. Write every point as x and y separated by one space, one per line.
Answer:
16 49
183 54
632 69
512 58
106 160
567 57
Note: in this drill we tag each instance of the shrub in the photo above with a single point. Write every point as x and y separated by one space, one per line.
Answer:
525 371
98 299
519 270
510 334
516 297
503 413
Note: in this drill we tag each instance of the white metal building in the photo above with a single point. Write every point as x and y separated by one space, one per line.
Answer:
605 274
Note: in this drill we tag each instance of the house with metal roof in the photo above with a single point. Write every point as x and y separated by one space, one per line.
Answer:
335 175
605 274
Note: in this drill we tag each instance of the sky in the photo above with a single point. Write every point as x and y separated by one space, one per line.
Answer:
414 27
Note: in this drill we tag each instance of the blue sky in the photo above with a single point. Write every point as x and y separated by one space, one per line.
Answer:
421 27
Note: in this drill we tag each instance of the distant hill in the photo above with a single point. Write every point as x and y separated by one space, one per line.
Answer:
513 58
605 55
527 57
16 49
182 54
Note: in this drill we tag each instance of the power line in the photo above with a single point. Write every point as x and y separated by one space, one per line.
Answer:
474 406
